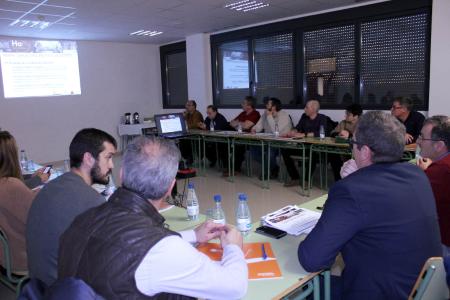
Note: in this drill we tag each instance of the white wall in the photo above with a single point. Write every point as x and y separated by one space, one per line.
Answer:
440 59
115 78
198 55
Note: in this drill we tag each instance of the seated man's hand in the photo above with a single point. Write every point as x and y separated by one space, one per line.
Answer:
253 131
310 134
208 231
424 163
408 138
344 134
234 123
231 236
43 176
201 125
348 168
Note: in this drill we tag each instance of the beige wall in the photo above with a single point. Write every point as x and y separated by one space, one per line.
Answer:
115 78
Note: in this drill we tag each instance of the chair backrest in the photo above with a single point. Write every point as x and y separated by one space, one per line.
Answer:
431 283
5 251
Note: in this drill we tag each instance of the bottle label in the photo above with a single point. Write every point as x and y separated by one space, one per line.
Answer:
219 221
244 224
192 210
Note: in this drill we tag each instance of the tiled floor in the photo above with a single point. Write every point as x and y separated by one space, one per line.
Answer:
261 201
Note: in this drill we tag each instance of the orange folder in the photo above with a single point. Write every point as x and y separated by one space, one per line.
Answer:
258 267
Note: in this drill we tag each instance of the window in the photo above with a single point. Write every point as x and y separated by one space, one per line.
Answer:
174 75
367 55
274 68
330 65
393 60
233 73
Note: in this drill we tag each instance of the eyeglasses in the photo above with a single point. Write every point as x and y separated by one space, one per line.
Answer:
396 107
352 142
423 139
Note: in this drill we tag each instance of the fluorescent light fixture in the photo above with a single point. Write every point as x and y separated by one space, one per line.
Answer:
143 32
246 5
30 24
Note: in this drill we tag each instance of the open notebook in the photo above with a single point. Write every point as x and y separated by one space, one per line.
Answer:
258 267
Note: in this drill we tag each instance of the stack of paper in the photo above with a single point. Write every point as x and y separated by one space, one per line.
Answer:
292 219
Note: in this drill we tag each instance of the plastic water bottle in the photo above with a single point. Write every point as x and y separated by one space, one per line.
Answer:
277 130
111 186
211 125
218 216
418 152
192 203
243 217
239 127
23 160
322 132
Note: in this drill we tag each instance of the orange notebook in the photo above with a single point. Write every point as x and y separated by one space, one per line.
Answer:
258 267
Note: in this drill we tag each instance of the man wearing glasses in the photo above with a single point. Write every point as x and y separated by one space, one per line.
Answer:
381 218
434 142
413 120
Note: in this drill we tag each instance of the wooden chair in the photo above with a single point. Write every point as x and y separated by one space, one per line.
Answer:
11 278
307 286
431 283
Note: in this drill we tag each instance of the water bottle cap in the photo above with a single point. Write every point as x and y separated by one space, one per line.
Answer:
217 198
190 185
242 197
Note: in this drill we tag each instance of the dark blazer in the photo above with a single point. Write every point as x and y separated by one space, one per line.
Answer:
383 220
220 123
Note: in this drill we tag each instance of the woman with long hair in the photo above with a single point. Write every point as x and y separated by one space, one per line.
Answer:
15 201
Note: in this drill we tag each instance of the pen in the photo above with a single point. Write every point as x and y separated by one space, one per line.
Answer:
263 250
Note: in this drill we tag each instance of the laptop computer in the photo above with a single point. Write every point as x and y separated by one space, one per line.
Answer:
171 125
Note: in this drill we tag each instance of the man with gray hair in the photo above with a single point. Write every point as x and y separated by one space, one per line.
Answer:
381 218
434 143
123 249
309 125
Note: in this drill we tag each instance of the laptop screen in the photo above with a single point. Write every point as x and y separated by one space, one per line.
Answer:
170 123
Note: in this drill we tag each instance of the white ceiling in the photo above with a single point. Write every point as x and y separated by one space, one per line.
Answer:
113 20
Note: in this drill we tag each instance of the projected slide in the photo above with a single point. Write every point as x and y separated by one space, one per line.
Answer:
38 68
171 124
235 70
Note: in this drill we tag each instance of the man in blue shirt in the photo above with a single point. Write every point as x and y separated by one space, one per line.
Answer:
381 218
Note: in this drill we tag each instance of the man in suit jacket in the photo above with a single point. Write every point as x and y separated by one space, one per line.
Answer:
382 218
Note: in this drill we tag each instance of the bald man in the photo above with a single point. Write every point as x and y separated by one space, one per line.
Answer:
309 125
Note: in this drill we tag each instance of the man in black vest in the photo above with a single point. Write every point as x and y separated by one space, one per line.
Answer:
123 250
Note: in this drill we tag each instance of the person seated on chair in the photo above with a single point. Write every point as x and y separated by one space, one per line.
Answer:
219 123
193 120
61 200
135 255
309 125
15 202
381 218
192 116
274 119
345 130
413 120
434 143
245 121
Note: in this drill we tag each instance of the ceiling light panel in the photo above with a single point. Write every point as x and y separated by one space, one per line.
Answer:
246 5
143 32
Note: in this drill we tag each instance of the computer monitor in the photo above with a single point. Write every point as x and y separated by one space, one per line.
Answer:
170 125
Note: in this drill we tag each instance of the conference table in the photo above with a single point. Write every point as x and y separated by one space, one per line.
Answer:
306 147
285 250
